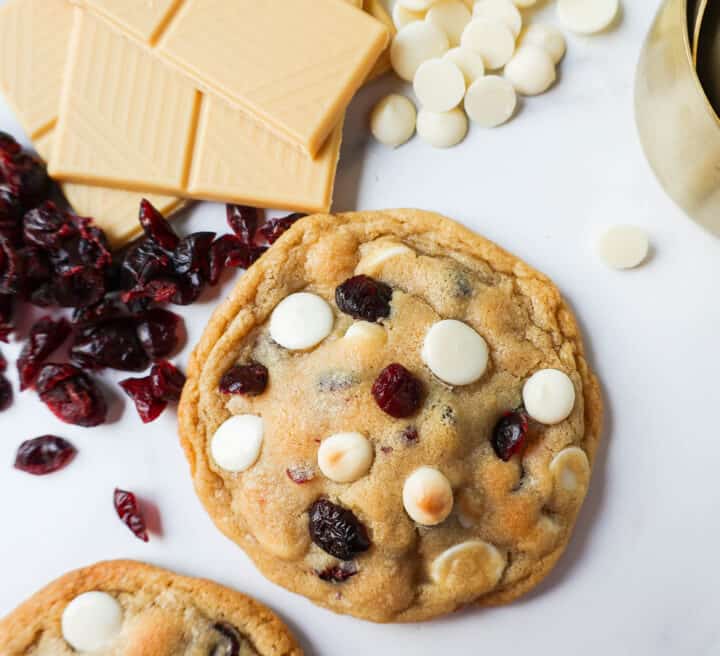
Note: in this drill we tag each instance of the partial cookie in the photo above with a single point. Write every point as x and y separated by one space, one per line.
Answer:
127 608
381 457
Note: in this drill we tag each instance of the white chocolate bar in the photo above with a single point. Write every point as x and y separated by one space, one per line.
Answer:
129 121
34 38
293 65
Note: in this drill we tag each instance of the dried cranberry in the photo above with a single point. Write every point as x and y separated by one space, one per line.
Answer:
230 640
410 435
11 212
188 288
250 379
37 270
336 530
81 245
75 255
46 335
8 144
47 226
230 251
152 393
44 455
113 344
11 268
143 262
27 174
510 434
75 287
274 228
192 254
102 311
397 391
6 393
160 290
301 474
158 332
129 512
3 361
338 573
6 313
140 390
156 227
365 298
167 381
71 395
243 220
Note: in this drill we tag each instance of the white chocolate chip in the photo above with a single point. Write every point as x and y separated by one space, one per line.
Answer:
427 496
414 44
402 16
490 101
468 61
417 5
345 457
524 4
547 37
474 560
91 621
549 396
587 16
371 263
439 85
500 10
455 352
570 470
392 121
301 321
491 39
236 445
442 129
624 247
531 70
451 16
469 509
366 332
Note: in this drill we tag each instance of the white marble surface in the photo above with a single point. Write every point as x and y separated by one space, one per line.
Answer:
640 576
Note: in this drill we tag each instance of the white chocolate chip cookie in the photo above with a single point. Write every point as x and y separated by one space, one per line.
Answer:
395 451
127 608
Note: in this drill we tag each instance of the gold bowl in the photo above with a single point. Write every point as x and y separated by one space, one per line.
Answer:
679 130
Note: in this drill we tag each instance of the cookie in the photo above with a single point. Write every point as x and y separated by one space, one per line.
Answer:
393 416
127 608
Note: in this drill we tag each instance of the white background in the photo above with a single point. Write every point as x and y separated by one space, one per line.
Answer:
641 575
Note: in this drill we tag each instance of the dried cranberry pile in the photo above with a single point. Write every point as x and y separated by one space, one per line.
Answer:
51 258
54 259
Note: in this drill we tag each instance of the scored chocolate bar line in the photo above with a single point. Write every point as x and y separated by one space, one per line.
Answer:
128 121
34 39
292 65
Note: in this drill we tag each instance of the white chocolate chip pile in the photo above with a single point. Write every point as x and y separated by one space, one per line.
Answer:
470 59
